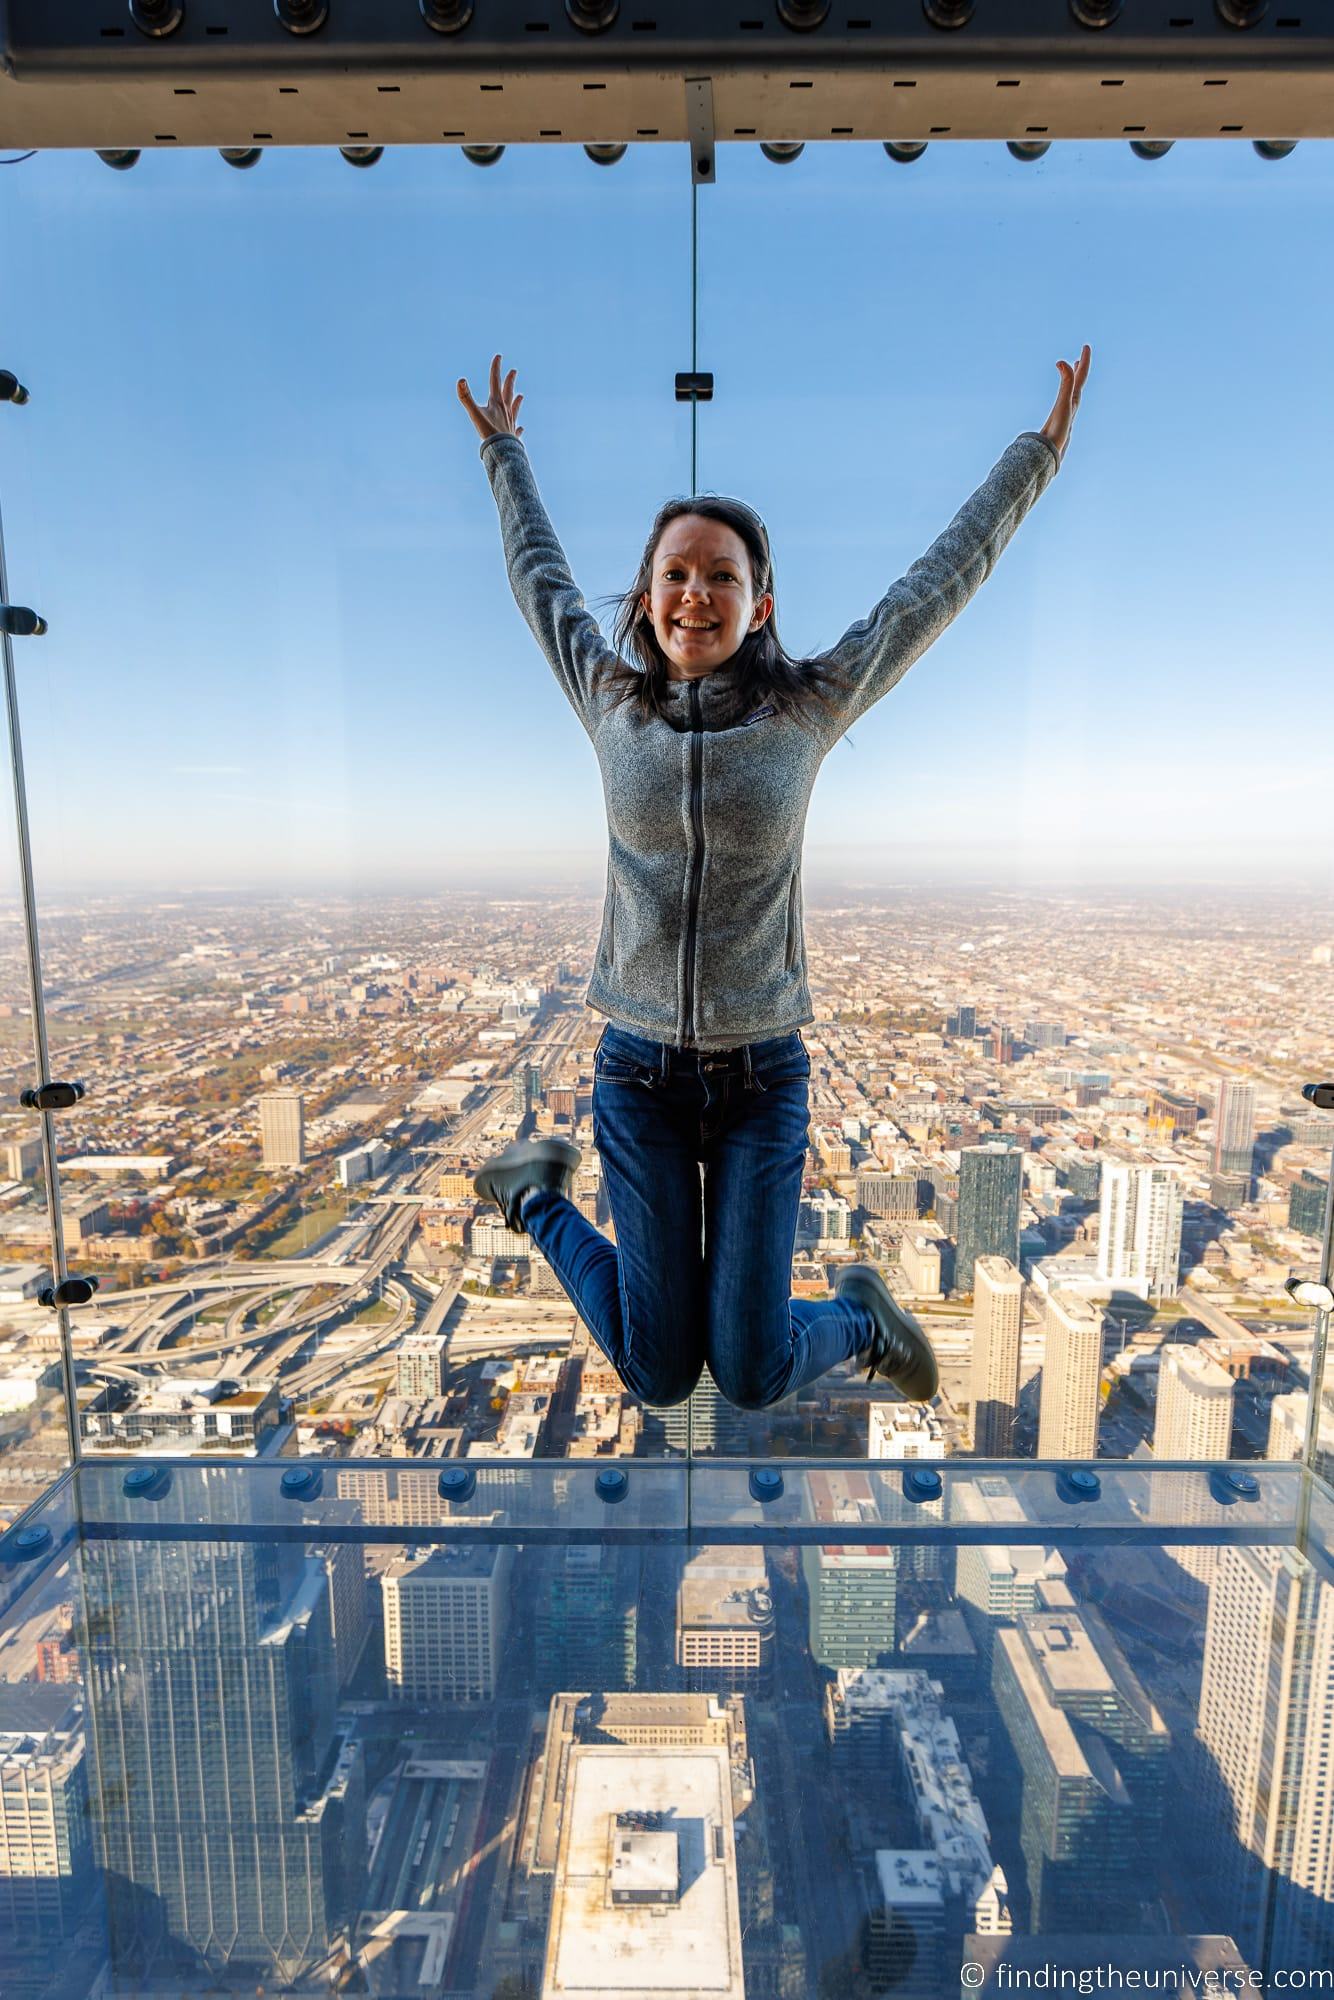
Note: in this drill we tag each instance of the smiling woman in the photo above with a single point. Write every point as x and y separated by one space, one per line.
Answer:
708 752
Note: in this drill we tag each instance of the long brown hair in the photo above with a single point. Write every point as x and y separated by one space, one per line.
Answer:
763 669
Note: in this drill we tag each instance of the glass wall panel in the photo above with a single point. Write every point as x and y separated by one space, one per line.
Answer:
254 1735
34 1427
1067 889
320 842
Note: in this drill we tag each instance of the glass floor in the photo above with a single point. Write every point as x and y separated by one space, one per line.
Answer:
666 1729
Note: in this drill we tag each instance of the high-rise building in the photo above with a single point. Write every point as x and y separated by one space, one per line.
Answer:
1092 1755
282 1128
46 1860
1265 1778
1044 1034
1306 1204
1139 1229
422 1366
705 1423
725 1620
585 1616
998 1315
990 1184
919 1260
1193 1419
1234 1128
227 1805
888 1194
1287 1431
852 1588
349 1606
1071 1372
1081 1173
445 1616
898 1753
904 1431
637 1803
962 1023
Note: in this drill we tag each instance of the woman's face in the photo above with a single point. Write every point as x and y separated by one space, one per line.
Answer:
701 572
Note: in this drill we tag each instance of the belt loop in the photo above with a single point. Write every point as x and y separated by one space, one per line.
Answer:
664 1064
748 1069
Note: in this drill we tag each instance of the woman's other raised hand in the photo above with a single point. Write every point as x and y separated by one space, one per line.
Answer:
1057 426
501 408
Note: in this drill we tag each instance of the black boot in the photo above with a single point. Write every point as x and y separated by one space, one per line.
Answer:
900 1350
527 1164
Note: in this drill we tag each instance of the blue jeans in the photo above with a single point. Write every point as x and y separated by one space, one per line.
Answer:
701 1267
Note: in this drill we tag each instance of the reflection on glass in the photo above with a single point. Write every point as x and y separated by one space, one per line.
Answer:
845 1756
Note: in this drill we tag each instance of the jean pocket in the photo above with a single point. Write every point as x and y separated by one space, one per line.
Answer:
785 1065
621 1069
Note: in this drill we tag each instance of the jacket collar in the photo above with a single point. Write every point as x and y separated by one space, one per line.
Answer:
717 698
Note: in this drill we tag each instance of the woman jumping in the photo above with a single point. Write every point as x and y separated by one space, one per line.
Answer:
709 735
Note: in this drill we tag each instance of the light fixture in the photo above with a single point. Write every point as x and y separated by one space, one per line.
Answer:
1028 149
1241 13
122 159
606 154
482 156
1151 149
240 156
361 156
780 151
904 150
1095 13
803 13
1274 149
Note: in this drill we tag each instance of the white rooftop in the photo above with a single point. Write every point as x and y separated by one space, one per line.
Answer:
600 1950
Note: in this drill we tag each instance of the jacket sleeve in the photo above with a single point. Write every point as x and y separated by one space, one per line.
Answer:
877 651
540 578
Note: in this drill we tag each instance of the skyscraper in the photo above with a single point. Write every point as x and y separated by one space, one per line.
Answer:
1071 1369
1092 1755
1234 1128
998 1312
1193 1419
990 1181
585 1616
227 1807
1265 1789
1306 1204
445 1616
1139 1229
282 1128
1194 1414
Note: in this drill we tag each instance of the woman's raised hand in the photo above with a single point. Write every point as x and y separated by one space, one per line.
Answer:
1057 426
501 408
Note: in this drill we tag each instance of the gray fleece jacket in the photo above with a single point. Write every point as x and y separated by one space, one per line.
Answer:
702 943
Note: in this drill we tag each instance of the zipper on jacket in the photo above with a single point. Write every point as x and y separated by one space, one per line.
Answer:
697 862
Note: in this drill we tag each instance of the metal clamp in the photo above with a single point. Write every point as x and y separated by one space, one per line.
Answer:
51 1096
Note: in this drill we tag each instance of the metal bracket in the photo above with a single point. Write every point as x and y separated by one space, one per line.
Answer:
699 127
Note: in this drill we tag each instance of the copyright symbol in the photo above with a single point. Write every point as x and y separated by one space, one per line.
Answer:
971 1973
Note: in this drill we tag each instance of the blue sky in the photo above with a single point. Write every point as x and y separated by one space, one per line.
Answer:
283 648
